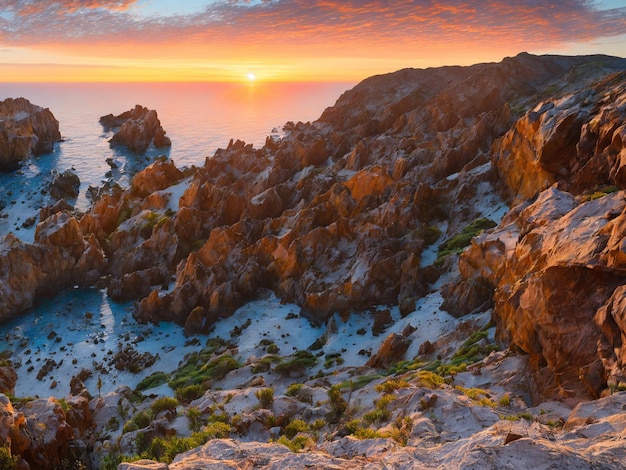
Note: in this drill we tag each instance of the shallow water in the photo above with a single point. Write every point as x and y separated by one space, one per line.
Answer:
198 118
84 328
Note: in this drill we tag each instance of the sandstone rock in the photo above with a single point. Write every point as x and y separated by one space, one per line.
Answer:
159 175
25 129
392 350
49 433
137 129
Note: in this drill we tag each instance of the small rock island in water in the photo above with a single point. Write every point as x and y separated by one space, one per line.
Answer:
25 130
428 276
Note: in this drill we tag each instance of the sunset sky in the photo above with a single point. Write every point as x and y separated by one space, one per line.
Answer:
288 40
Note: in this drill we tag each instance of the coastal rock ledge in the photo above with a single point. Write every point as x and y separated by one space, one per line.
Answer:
25 130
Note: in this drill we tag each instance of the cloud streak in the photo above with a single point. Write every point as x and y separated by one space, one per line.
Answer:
305 28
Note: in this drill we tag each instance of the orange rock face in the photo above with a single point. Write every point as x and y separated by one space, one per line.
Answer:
25 129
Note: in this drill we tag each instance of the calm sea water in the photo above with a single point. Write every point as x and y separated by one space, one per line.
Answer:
198 118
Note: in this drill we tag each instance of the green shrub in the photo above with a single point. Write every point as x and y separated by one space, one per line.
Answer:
505 400
194 418
297 443
265 397
600 193
8 461
200 367
265 364
458 242
401 430
377 416
367 433
381 414
294 390
295 427
153 380
139 421
429 379
318 424
332 359
338 405
430 234
296 364
164 404
392 385
189 393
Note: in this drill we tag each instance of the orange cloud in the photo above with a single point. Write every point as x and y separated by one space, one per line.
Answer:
289 35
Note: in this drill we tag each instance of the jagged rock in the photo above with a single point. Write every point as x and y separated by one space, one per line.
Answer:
49 433
159 175
137 129
8 378
25 129
392 350
553 268
64 185
576 139
58 258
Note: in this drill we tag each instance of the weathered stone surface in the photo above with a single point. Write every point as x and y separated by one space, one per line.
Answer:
137 129
25 129
391 351
58 258
64 185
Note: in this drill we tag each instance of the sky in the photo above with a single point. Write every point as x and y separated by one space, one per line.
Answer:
288 40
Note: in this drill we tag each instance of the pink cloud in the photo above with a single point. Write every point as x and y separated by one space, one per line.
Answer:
378 24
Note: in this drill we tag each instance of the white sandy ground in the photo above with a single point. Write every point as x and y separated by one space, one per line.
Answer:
87 342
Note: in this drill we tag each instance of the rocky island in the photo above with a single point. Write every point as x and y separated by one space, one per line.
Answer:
25 130
453 236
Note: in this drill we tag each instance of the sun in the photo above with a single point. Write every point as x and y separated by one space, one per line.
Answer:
251 76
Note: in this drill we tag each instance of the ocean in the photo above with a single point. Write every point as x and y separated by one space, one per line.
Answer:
198 118
79 328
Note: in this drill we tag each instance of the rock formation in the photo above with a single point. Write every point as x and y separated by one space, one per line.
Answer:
555 261
59 257
136 129
25 129
373 205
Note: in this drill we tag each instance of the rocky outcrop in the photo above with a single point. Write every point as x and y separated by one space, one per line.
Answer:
65 185
59 257
136 129
574 138
554 267
38 434
25 130
335 216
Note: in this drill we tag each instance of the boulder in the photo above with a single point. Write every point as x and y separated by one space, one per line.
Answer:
64 185
25 130
392 350
136 129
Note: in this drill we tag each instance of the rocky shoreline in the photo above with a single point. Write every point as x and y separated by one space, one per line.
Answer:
368 212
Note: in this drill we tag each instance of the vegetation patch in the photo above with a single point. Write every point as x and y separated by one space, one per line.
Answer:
265 397
265 363
153 380
599 193
458 242
189 393
333 359
296 364
203 365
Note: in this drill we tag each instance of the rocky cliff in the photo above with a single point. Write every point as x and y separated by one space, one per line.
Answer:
25 130
375 204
